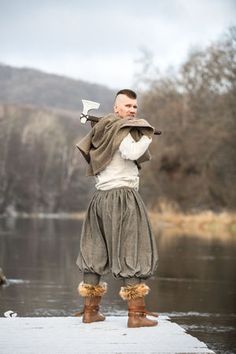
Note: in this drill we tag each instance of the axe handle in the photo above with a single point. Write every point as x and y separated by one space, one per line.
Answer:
93 118
90 118
157 132
96 119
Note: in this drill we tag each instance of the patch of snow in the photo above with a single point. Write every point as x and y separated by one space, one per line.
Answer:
67 335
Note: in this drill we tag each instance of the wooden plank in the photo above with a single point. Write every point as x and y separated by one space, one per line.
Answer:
59 335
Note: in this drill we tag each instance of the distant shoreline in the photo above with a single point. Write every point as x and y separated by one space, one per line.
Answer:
61 215
205 222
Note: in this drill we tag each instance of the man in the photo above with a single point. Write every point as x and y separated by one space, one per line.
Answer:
116 233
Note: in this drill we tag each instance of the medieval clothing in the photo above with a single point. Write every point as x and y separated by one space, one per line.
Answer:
116 233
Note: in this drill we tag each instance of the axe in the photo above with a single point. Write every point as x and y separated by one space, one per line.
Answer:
88 106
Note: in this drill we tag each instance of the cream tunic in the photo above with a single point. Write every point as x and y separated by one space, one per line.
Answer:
122 171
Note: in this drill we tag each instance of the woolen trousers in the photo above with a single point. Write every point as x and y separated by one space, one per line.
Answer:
117 237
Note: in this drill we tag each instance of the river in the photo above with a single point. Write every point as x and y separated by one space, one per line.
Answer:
194 283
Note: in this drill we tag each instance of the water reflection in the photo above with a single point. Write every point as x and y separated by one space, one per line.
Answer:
194 284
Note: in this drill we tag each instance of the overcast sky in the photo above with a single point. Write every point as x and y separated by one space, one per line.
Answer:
100 40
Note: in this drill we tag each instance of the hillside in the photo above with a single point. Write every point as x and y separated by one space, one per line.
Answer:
41 169
29 86
193 166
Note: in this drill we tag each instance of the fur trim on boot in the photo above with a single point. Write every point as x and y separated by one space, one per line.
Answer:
85 290
131 292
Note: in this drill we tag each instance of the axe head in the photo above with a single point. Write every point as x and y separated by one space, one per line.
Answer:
88 105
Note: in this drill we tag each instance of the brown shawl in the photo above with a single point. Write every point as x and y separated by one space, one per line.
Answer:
100 144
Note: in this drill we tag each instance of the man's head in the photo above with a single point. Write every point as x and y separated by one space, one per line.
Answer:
125 104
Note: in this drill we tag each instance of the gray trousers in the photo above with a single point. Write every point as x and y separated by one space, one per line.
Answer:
117 237
94 279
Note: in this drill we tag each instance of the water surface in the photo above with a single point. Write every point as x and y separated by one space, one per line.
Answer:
194 283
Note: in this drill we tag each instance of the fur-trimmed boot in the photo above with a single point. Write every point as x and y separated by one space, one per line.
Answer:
134 295
92 295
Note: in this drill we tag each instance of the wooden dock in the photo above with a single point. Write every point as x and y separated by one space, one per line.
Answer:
67 335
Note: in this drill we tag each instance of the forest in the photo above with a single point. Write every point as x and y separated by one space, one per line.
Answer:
193 166
194 160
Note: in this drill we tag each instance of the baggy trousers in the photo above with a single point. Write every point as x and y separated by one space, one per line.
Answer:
117 237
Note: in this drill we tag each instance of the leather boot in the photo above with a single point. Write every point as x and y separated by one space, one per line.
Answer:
137 314
92 295
134 294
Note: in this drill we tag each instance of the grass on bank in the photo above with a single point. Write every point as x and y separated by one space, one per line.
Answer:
167 217
205 223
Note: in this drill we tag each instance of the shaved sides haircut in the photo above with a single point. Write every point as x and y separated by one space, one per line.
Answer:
127 92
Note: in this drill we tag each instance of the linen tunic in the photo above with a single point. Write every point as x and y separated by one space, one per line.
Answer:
122 171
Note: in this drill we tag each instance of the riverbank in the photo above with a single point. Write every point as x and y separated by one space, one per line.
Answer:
205 223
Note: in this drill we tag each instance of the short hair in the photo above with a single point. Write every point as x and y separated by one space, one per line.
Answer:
127 92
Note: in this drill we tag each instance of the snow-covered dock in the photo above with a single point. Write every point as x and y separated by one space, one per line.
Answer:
59 335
